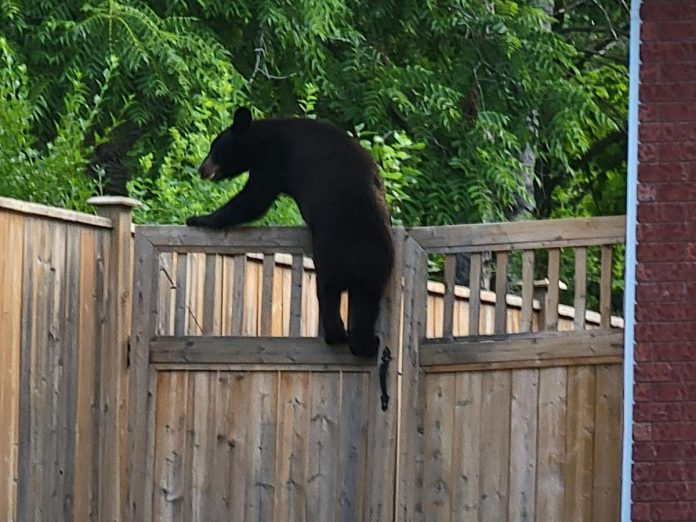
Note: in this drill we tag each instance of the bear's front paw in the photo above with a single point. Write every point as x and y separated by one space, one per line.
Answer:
199 221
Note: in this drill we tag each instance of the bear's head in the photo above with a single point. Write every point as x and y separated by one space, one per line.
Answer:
228 156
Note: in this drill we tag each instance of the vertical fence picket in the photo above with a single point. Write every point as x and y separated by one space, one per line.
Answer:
605 287
551 308
296 296
267 294
580 287
210 322
475 295
181 291
501 261
527 291
238 275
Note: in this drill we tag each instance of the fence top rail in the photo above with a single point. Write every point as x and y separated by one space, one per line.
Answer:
521 235
263 240
59 214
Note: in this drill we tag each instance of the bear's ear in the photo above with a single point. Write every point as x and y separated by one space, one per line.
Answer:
242 119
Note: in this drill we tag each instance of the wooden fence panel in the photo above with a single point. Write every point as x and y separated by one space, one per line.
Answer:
53 301
11 263
523 444
236 412
285 445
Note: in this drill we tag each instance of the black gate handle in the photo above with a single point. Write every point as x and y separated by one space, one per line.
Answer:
383 368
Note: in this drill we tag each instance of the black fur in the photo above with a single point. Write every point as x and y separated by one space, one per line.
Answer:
340 195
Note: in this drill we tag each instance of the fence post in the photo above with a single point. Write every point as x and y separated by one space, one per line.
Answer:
113 371
409 473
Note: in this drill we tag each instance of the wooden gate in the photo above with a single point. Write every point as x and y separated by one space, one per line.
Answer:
524 422
239 411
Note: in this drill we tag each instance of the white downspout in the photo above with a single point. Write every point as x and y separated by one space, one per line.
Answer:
630 281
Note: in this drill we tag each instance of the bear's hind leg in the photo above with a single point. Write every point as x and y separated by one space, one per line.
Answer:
330 313
363 308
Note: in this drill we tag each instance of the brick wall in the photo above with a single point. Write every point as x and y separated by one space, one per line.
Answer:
664 451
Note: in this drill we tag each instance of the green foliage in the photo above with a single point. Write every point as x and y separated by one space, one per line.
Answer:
50 173
396 156
476 111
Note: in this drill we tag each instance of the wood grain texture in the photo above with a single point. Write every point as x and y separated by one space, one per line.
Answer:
521 235
580 299
11 298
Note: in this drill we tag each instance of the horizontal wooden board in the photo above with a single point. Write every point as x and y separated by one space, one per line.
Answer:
261 240
60 214
594 344
521 235
251 350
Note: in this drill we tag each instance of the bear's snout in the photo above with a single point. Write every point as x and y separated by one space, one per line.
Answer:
208 170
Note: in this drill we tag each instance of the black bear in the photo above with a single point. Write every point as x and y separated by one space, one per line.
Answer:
339 192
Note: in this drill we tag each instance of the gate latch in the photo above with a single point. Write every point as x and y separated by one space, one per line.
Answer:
383 368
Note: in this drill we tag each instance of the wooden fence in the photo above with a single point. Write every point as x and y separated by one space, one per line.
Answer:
55 268
224 404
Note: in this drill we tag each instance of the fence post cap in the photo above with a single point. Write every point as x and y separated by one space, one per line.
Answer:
113 201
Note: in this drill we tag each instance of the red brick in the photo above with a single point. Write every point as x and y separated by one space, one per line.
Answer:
656 252
642 392
671 391
647 191
669 131
650 112
666 51
659 292
678 71
652 10
665 312
673 511
670 351
666 232
679 111
662 212
675 151
642 431
664 471
649 73
642 352
667 271
682 371
665 491
647 152
640 511
649 31
676 191
652 372
665 332
690 207
661 171
663 451
658 411
684 431
673 30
